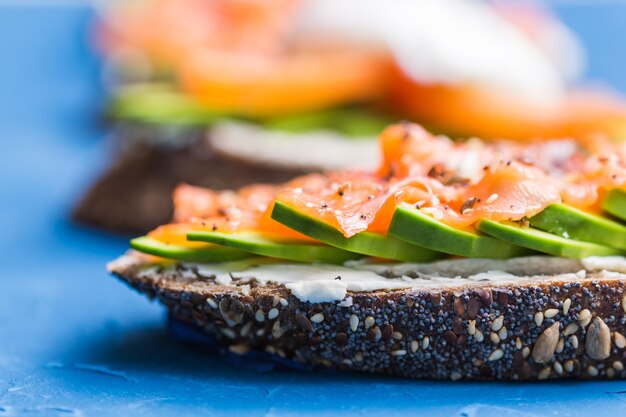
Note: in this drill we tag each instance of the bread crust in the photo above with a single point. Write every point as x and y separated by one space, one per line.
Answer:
561 326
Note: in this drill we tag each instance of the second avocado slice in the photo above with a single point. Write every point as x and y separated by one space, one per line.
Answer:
365 243
572 223
413 226
543 241
289 249
615 203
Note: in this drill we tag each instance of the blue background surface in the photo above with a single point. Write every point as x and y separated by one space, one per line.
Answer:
74 341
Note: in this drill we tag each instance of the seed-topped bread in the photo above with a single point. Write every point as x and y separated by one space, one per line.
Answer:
518 319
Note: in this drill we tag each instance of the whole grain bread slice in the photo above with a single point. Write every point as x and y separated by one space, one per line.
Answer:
555 320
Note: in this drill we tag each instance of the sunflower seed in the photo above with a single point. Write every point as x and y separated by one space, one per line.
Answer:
598 340
546 344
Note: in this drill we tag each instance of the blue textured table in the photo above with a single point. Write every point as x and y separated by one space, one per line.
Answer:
74 341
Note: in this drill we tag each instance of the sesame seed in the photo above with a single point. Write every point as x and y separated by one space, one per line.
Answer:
354 322
569 366
399 352
396 335
503 333
584 316
455 376
566 305
624 304
358 356
538 318
369 322
573 340
272 314
570 329
277 331
414 346
496 355
478 336
518 343
211 302
239 349
551 312
471 327
544 373
592 371
525 352
497 323
493 197
425 342
283 302
259 316
493 336
558 368
229 333
618 366
317 318
560 345
620 340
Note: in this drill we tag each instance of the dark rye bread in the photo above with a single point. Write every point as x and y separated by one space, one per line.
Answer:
566 324
133 196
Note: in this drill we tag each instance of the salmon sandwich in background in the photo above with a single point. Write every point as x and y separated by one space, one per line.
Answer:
225 94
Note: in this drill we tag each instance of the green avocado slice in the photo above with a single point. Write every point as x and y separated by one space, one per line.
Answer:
543 241
572 223
615 203
210 253
160 104
366 243
411 225
289 249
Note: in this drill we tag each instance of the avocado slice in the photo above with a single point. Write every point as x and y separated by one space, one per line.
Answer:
543 241
615 203
571 223
160 104
366 243
411 225
289 249
208 253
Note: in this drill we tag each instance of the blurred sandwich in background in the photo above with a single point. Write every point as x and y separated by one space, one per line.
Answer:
222 94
